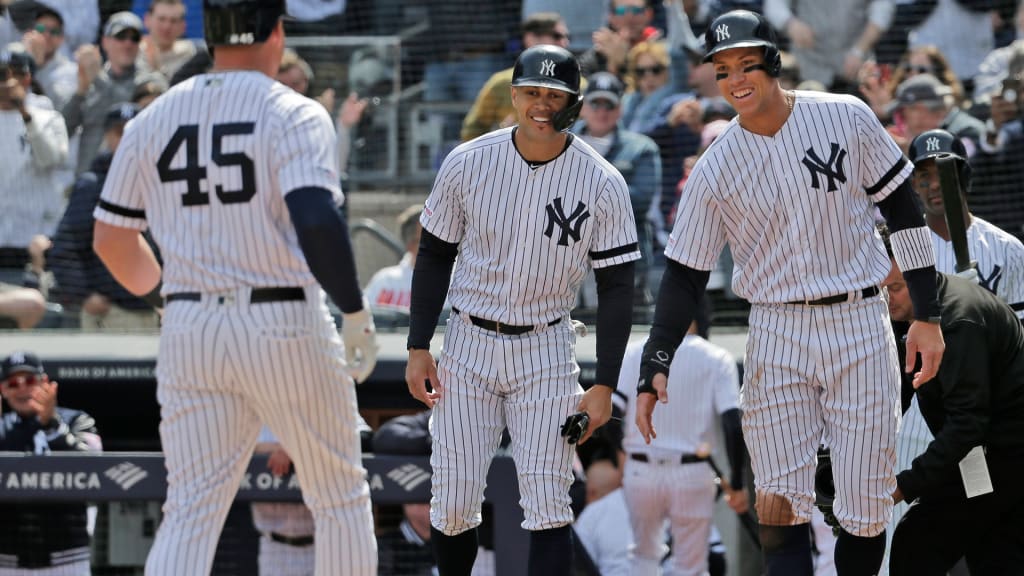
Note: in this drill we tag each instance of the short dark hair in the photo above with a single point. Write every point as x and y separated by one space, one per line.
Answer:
45 10
408 220
540 23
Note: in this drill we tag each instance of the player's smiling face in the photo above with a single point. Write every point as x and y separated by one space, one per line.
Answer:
745 89
536 107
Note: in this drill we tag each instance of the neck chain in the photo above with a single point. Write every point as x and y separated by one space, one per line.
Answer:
790 100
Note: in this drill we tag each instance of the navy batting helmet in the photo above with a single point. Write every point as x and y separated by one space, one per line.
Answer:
932 143
240 22
554 67
743 29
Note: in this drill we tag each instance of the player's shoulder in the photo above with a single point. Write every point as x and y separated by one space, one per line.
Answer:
831 103
501 138
994 234
588 157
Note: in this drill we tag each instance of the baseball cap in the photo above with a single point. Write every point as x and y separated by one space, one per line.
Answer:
121 21
120 113
920 88
21 361
47 10
604 86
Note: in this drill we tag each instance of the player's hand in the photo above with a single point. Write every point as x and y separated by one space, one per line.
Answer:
736 499
924 338
897 496
360 337
279 462
970 274
421 369
645 403
44 401
597 403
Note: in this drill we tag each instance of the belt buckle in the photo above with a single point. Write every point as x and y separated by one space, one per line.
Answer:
497 327
226 299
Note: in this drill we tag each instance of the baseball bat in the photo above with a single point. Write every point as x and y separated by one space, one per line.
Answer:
952 201
746 519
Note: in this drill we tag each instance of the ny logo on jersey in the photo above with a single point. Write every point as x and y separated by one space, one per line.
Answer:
570 226
547 68
932 145
722 32
991 283
832 169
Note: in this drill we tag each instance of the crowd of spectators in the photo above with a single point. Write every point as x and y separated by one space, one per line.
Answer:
921 64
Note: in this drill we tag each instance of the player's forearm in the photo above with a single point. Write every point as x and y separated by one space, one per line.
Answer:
614 319
127 256
732 434
323 237
678 298
912 249
430 279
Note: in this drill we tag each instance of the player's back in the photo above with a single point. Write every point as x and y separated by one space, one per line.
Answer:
214 158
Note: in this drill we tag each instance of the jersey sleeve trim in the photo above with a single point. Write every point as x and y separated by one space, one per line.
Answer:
603 254
886 184
613 256
121 210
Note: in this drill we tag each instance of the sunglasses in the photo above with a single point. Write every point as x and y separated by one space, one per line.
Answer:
918 69
623 10
559 37
602 104
19 380
653 70
133 37
42 29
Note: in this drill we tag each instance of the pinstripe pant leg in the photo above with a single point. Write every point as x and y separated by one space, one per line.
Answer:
544 381
861 407
207 431
781 413
307 399
465 426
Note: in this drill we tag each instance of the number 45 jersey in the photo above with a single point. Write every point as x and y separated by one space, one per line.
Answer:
212 159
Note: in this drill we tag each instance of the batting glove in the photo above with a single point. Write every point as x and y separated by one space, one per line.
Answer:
360 337
969 274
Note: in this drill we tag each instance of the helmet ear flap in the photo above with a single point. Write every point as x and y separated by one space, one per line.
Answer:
773 61
564 118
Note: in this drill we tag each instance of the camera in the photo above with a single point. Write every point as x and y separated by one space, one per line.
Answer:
1010 89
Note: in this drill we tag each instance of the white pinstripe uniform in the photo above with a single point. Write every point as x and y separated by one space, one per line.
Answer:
797 210
527 237
207 166
704 381
1000 258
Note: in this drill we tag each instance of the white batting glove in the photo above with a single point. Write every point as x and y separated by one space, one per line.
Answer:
360 337
969 274
580 328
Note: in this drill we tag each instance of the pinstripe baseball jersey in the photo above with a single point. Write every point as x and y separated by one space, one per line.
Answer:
538 229
1000 258
31 198
796 208
703 383
219 217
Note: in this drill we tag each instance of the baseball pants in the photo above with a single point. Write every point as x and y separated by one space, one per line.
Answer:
226 366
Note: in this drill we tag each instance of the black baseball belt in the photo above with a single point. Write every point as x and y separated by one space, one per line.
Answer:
684 459
500 327
299 541
866 293
256 296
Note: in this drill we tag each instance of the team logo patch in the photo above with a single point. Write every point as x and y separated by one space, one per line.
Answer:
932 144
991 282
569 226
722 32
547 67
832 169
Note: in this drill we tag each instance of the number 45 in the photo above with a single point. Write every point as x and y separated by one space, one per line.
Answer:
193 173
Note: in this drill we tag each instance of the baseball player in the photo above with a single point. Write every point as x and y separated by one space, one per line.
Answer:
669 479
236 176
528 210
792 185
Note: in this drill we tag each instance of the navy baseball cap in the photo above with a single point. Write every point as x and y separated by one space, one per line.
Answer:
120 113
21 361
604 86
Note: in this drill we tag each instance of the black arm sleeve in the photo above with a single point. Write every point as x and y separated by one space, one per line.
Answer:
323 237
902 212
732 431
430 279
614 319
678 298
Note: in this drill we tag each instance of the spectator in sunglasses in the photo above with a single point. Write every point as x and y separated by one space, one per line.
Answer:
879 89
101 85
55 72
628 24
50 538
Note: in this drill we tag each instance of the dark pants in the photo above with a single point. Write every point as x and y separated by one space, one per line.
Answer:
986 530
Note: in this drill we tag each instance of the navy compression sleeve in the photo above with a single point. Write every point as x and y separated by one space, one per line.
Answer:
614 319
909 235
430 279
678 297
323 237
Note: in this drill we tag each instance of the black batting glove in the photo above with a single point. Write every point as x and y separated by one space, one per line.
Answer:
653 361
